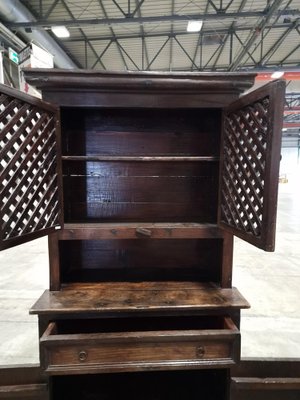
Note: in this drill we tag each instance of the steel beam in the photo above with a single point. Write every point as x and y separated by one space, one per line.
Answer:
81 31
50 9
268 29
276 45
113 35
158 53
199 43
270 12
148 19
185 52
290 53
222 31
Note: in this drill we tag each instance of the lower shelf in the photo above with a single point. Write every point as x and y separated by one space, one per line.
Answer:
176 385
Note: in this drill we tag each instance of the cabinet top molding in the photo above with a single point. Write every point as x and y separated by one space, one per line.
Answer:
130 81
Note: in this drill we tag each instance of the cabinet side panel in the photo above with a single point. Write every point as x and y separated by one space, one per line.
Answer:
54 262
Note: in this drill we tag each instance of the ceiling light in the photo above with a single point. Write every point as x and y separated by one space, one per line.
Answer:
277 74
194 26
60 31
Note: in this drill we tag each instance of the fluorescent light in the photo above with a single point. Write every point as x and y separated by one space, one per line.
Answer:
194 26
60 31
277 74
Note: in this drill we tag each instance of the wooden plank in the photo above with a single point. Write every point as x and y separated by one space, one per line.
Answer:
266 379
119 169
23 382
274 383
133 230
141 212
131 132
143 260
143 296
131 191
29 391
268 367
54 264
227 259
142 158
143 81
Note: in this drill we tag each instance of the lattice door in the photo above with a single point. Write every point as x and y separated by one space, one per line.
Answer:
250 155
30 190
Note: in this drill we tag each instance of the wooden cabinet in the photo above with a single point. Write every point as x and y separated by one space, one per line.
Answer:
140 180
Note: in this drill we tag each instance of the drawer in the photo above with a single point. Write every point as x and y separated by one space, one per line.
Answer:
90 346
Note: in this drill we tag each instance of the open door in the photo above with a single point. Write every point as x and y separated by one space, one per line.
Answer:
30 176
249 165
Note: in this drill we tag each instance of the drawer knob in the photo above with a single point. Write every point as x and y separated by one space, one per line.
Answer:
200 351
82 356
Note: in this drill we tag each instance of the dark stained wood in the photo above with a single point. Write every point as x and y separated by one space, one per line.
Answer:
140 277
267 384
159 385
227 259
268 379
141 158
25 98
147 81
171 192
140 260
28 392
145 296
80 353
23 382
249 165
20 374
130 230
146 90
268 367
132 132
30 183
54 262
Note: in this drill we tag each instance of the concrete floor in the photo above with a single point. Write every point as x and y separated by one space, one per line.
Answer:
269 281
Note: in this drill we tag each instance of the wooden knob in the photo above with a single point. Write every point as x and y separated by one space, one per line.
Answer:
82 355
200 351
143 232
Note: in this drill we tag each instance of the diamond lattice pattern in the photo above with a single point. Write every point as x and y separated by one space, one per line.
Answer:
28 185
242 187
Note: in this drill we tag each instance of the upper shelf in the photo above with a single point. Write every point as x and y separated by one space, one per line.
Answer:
141 158
139 230
127 297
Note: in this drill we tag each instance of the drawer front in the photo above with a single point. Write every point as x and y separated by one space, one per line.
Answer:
134 351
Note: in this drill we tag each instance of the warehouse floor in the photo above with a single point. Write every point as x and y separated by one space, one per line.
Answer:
269 281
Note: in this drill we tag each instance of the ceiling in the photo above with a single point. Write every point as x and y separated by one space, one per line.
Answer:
253 35
151 35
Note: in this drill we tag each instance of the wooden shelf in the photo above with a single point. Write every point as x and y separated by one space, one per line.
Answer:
127 297
140 158
134 230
